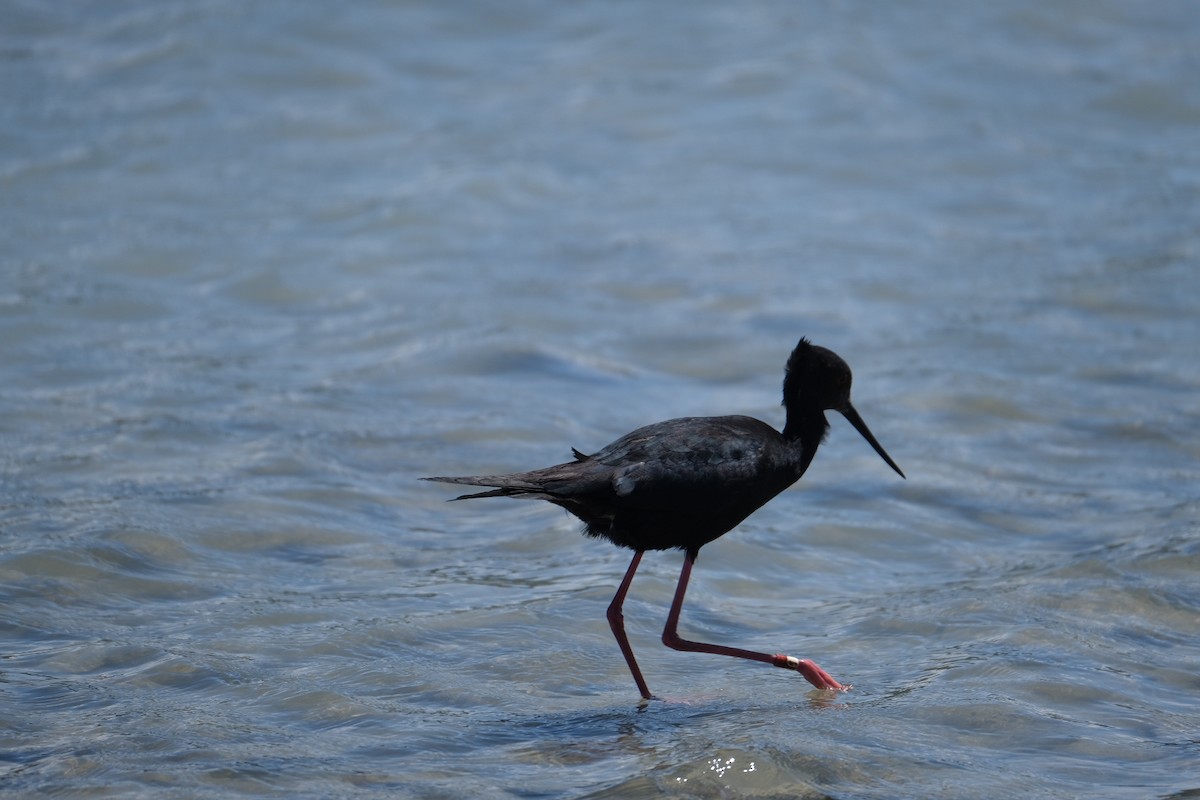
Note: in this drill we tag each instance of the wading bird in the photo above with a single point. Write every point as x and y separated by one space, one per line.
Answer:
684 482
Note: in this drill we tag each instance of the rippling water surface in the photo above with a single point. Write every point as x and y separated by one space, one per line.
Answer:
264 265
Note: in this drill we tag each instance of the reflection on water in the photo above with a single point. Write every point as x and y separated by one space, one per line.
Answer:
264 267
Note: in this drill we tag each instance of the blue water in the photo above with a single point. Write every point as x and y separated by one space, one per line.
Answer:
262 266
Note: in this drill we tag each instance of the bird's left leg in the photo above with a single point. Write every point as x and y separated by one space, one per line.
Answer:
616 621
814 674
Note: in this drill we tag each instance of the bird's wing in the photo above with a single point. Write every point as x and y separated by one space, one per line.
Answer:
681 460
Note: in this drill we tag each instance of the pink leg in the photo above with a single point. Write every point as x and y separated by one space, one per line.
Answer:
616 621
814 674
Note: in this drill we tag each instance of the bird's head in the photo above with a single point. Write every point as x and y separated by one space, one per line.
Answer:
818 380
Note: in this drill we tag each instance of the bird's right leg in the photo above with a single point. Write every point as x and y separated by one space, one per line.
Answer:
616 621
812 673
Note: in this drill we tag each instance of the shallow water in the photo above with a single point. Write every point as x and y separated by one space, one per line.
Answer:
263 267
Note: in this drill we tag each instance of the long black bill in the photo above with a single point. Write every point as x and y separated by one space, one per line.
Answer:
850 414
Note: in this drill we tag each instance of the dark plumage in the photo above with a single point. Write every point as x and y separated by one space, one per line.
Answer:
684 482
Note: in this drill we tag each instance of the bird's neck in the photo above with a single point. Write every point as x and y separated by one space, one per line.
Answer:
805 430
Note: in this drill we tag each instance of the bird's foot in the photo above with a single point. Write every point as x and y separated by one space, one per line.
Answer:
811 672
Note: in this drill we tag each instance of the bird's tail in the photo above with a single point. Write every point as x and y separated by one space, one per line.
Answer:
509 485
